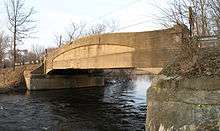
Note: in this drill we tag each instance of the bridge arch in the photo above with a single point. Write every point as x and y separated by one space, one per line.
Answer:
93 56
152 49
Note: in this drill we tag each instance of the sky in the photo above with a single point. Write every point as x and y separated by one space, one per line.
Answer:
54 16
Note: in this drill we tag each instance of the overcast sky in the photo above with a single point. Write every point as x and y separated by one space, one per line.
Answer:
54 16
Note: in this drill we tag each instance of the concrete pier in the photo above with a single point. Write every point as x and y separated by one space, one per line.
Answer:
47 82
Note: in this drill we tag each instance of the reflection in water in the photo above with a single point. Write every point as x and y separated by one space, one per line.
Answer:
115 107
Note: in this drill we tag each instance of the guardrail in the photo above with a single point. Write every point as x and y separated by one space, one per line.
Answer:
29 63
208 41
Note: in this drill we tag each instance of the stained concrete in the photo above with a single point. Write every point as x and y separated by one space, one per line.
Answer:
152 49
184 104
47 82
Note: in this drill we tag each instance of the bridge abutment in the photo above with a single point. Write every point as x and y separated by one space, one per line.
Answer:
184 105
47 82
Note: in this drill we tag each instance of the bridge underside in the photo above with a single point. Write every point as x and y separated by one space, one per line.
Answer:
75 72
88 72
72 78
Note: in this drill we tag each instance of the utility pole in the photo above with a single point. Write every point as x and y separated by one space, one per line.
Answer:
218 38
44 61
191 21
60 41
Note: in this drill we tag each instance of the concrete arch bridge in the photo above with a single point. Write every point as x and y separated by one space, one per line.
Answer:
149 50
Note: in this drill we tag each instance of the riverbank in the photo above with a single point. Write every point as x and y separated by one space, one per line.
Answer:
12 80
185 96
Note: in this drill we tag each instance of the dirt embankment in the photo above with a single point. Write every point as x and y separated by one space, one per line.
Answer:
14 79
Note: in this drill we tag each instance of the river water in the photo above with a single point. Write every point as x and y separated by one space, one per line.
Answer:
118 106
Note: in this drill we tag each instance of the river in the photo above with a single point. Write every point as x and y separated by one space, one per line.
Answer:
118 106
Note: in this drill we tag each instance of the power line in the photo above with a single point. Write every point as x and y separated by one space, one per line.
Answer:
120 8
135 24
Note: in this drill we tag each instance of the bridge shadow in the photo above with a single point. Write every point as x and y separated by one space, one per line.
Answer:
75 72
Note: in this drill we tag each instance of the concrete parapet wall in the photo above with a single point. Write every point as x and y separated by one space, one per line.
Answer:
183 105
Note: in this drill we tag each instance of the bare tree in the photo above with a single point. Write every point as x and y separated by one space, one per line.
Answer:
179 10
75 31
97 29
38 51
105 27
31 57
4 44
58 38
21 56
175 14
20 21
215 6
112 25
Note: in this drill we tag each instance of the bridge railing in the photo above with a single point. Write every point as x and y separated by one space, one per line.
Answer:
208 41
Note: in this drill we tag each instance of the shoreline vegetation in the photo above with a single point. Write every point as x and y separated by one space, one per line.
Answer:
196 59
204 63
13 80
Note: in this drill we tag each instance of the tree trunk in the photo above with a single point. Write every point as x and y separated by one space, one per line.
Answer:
14 42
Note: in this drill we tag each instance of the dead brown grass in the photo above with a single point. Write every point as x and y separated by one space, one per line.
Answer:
10 78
